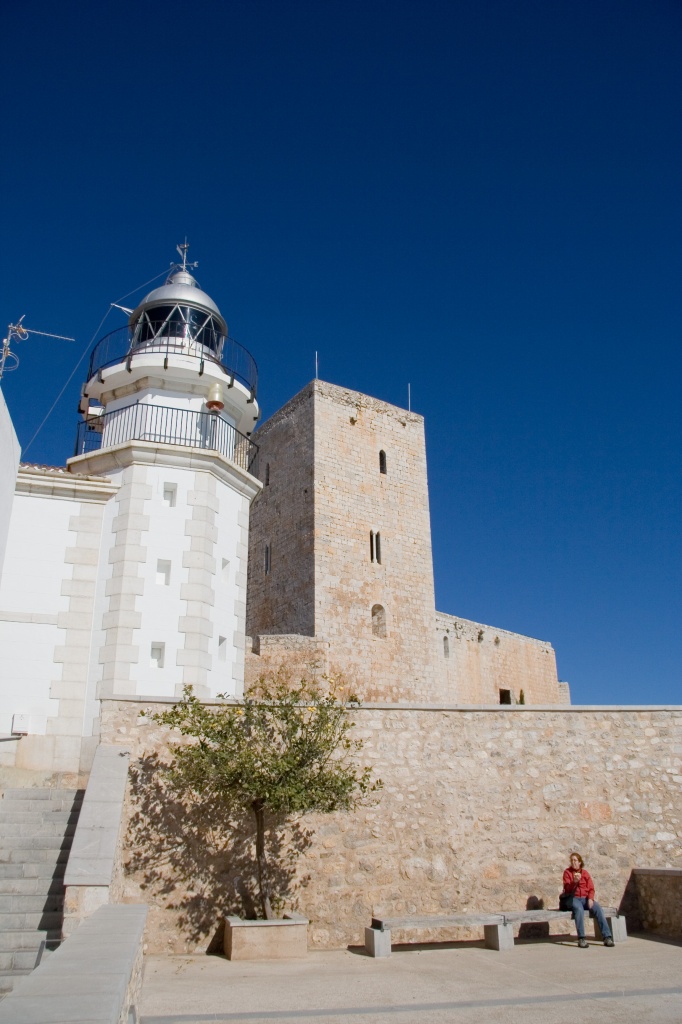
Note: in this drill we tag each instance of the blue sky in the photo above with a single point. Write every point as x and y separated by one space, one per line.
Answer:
479 198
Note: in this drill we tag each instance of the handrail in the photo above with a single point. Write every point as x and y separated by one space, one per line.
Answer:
162 424
123 344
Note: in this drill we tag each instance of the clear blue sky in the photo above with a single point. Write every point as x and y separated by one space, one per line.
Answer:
481 198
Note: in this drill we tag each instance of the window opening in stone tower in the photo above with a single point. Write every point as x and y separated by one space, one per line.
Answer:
371 545
382 462
446 647
505 697
267 560
267 474
377 547
378 620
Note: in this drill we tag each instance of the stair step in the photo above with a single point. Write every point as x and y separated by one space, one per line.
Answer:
18 959
35 830
45 886
30 903
33 869
9 980
38 793
35 843
60 817
40 920
28 938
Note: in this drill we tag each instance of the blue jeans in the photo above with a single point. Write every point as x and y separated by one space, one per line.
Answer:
579 908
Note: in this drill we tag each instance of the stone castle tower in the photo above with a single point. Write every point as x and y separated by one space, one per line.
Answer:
341 568
340 543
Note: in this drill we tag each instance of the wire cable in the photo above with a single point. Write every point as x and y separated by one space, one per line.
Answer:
84 353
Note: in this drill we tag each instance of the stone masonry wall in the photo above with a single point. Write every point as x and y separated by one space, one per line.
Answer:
477 661
659 901
479 811
353 499
281 600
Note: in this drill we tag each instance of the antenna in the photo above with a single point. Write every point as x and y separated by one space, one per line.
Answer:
10 360
316 373
409 399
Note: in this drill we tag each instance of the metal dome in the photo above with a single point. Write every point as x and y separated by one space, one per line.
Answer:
180 289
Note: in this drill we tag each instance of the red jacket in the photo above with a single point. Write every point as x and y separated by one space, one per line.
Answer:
583 887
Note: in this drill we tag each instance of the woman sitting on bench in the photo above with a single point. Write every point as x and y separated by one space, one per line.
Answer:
578 896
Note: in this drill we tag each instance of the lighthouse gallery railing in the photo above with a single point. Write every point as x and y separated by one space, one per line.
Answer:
164 339
162 424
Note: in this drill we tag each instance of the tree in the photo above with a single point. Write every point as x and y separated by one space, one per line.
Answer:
284 750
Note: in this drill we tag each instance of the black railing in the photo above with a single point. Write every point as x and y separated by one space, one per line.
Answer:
162 424
123 344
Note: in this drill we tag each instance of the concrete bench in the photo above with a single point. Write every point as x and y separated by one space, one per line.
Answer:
94 976
498 928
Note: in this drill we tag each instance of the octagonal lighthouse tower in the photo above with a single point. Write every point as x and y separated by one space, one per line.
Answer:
168 409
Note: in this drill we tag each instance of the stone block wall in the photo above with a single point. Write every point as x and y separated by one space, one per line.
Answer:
281 594
477 661
479 811
659 900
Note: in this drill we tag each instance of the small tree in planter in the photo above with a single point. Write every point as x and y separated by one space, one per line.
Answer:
284 750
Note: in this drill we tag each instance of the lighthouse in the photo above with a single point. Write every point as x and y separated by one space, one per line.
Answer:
126 570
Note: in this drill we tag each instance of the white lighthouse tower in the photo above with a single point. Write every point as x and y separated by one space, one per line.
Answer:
125 574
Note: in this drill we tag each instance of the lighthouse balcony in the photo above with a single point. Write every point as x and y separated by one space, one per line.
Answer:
170 338
160 424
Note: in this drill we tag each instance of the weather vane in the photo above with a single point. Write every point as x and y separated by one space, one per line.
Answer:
182 249
10 360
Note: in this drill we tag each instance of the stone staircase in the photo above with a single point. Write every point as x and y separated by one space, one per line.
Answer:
36 830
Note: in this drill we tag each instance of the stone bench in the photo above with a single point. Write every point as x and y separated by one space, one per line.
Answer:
94 977
498 928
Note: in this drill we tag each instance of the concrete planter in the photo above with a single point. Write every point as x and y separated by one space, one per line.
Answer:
281 939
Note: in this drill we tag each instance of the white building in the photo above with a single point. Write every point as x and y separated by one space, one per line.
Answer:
125 571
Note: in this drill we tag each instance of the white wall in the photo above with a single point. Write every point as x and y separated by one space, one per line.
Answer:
30 601
10 453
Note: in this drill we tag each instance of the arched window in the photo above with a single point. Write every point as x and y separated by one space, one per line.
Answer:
382 462
378 620
446 647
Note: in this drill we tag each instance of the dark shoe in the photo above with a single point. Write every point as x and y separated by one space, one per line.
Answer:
608 942
582 943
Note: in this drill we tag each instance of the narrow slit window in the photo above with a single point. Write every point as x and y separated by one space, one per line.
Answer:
382 462
163 571
266 560
379 620
158 655
267 474
371 545
446 647
170 495
505 697
377 547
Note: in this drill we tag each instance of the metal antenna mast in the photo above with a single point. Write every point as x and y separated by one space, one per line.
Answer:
10 360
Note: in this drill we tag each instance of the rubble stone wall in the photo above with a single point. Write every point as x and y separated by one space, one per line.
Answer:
479 811
659 901
478 661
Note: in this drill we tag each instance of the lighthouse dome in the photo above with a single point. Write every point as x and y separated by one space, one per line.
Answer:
179 309
180 289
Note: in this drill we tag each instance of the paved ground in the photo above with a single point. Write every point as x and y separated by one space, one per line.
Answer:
550 982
